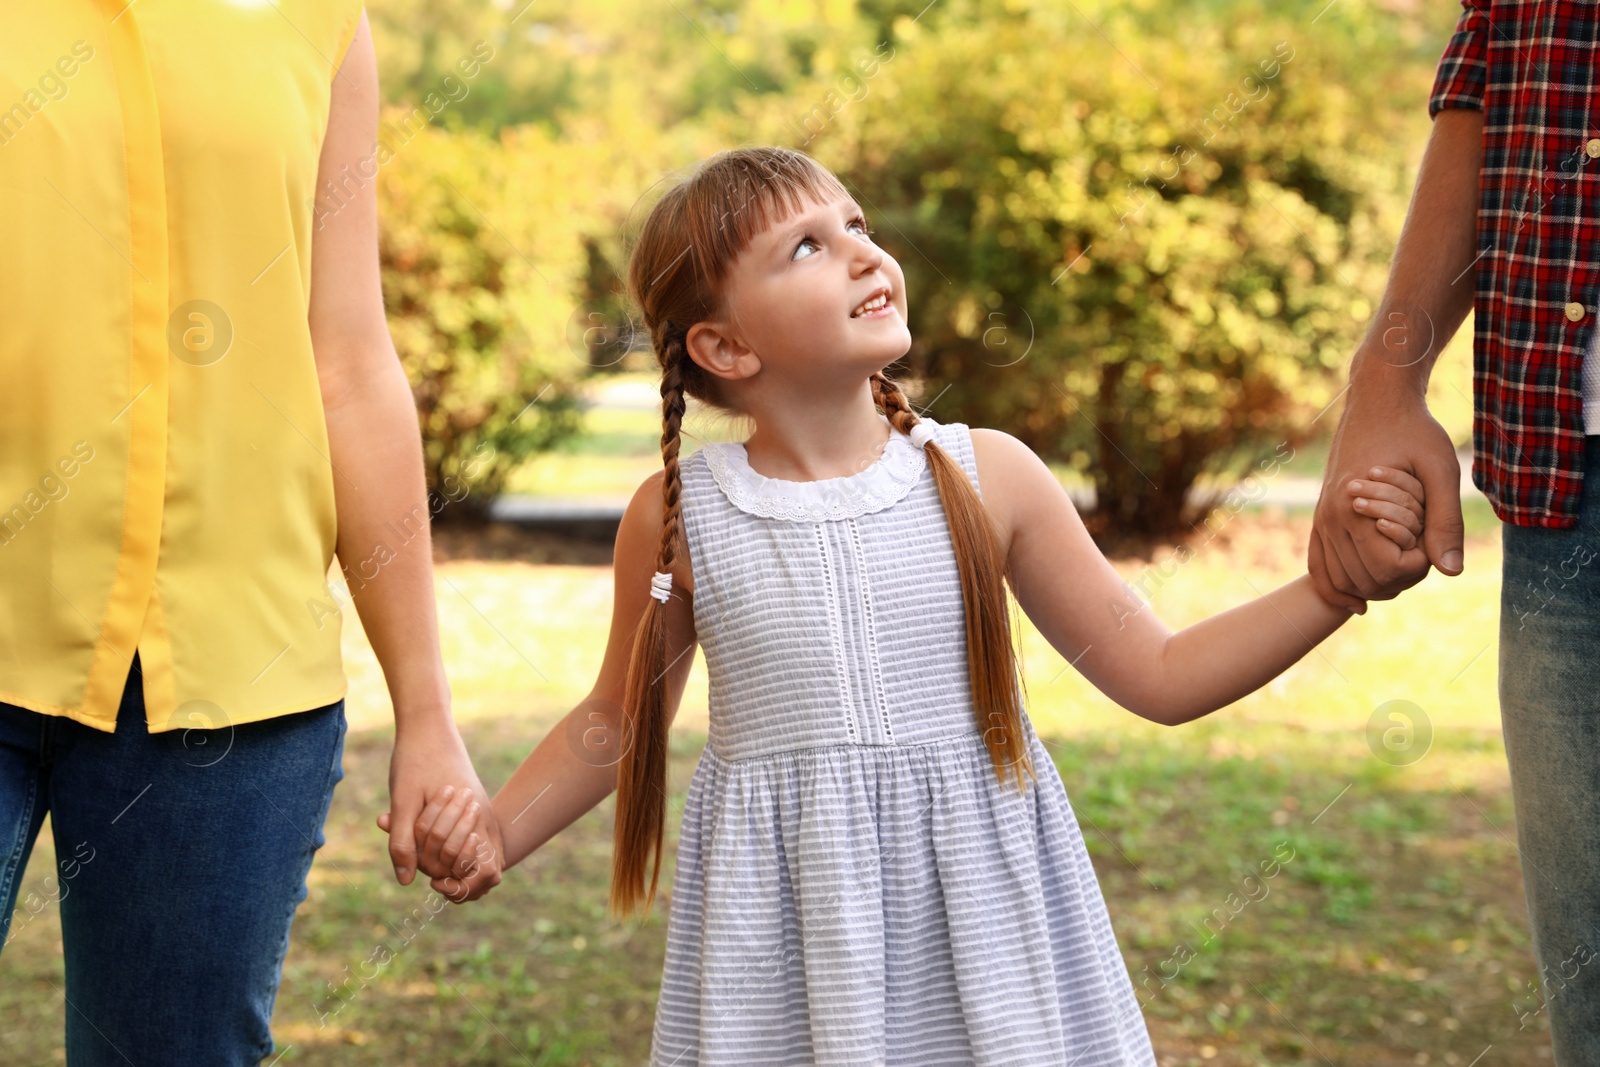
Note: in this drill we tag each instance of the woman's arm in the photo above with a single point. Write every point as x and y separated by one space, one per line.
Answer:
376 452
575 766
1084 609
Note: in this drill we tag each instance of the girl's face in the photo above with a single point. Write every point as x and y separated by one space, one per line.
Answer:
794 299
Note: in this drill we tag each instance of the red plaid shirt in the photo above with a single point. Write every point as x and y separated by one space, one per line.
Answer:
1530 68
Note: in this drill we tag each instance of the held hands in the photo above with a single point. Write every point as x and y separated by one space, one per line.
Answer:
1349 562
1393 499
430 761
459 843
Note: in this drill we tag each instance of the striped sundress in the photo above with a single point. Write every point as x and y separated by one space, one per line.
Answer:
853 884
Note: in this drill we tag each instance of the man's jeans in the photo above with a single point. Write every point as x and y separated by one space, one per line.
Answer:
1550 712
180 859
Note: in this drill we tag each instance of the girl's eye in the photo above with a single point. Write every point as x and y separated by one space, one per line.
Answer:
866 230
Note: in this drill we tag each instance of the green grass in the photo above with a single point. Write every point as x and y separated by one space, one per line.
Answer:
1395 928
1395 932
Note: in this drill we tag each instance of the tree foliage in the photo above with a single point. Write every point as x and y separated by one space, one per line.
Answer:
477 296
1143 237
1148 260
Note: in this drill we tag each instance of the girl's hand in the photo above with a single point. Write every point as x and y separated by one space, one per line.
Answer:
458 845
446 828
1394 499
476 868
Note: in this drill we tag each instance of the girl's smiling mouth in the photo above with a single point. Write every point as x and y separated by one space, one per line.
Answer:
875 306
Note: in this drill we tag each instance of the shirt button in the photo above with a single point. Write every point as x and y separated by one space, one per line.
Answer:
1574 311
1593 147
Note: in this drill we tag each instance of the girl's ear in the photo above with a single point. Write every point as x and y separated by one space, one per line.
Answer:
720 353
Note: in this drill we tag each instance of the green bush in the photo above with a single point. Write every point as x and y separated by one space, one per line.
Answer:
1147 256
477 299
1142 236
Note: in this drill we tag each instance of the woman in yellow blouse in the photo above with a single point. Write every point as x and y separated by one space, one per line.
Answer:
202 407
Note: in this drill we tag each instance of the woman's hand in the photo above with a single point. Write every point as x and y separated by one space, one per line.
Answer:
379 485
458 842
430 758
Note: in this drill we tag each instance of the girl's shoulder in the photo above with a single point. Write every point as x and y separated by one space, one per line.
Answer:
639 534
1012 479
1001 459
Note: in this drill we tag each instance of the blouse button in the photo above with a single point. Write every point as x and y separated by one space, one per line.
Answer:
1574 311
1593 147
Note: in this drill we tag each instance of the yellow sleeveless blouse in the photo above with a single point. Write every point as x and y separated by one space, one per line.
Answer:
165 482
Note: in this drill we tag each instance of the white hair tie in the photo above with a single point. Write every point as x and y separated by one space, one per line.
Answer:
661 586
921 434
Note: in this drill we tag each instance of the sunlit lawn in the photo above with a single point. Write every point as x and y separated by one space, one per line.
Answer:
1394 935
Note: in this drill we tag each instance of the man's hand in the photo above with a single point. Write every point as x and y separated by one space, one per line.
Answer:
1350 560
1386 421
428 756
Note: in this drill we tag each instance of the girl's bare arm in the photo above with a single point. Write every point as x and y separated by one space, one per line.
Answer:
575 766
1082 607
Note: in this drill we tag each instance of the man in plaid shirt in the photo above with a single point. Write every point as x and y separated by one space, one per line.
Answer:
1505 219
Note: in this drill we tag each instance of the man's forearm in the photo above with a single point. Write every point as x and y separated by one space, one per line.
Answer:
384 546
1432 279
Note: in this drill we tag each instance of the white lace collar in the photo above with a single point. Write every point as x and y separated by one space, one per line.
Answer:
886 481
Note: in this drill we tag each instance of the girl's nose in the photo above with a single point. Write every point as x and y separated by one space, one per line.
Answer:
870 258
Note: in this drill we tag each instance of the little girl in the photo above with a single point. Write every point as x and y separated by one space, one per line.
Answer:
859 878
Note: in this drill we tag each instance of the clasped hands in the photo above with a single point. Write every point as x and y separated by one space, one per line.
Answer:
458 844
441 821
1389 458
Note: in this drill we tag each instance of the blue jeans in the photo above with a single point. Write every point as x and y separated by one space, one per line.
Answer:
1550 713
181 857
